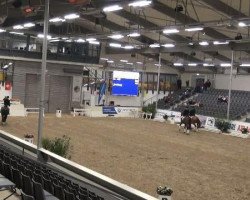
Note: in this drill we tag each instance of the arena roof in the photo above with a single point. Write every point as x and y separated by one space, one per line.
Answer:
190 32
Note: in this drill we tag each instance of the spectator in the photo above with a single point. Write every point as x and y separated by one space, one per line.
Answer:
187 83
208 83
179 83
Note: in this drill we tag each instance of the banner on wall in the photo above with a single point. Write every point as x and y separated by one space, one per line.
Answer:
207 122
8 85
76 91
112 110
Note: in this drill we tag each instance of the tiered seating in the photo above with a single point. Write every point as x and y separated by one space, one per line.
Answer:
38 181
175 98
240 104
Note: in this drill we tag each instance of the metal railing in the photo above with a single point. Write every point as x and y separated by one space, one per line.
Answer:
113 185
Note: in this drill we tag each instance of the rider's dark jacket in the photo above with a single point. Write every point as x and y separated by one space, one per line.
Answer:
185 112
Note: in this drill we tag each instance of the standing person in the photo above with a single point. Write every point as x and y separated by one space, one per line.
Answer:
5 111
179 83
208 83
187 83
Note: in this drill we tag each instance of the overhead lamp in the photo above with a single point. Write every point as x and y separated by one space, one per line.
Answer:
197 74
56 19
168 45
129 63
91 39
28 25
191 29
6 66
192 64
116 36
128 47
139 63
116 45
225 64
124 61
242 24
16 33
191 43
112 8
219 42
2 30
208 65
155 45
94 42
104 59
141 3
18 27
110 61
42 36
245 65
54 40
80 40
134 35
157 64
64 38
178 64
203 43
170 31
71 16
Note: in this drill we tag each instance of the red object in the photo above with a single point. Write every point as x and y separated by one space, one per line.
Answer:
84 2
8 85
28 10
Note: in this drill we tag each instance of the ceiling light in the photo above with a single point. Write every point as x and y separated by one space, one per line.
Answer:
116 45
112 8
203 43
194 29
242 24
28 25
129 63
208 65
94 42
16 33
218 42
80 40
155 45
197 74
141 3
192 64
18 27
5 66
116 36
178 64
168 45
56 19
2 30
91 39
157 64
169 31
64 38
124 61
139 63
110 61
128 47
104 58
191 43
225 64
71 16
42 36
134 35
54 40
245 65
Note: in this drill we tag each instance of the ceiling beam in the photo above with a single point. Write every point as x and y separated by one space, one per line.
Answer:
225 8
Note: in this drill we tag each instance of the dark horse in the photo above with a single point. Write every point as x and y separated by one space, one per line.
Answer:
188 121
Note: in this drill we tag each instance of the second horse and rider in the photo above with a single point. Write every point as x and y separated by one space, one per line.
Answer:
189 117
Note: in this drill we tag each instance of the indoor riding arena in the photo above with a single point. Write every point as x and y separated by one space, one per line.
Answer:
124 100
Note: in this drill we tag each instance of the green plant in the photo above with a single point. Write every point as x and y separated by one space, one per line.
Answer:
59 146
222 125
150 108
244 131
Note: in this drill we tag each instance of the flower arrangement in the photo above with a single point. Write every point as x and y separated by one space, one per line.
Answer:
244 130
28 135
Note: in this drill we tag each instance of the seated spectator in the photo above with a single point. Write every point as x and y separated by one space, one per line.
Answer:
191 102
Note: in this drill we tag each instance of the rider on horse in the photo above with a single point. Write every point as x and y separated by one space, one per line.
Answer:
186 114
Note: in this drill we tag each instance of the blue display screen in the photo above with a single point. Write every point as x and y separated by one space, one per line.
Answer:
125 83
